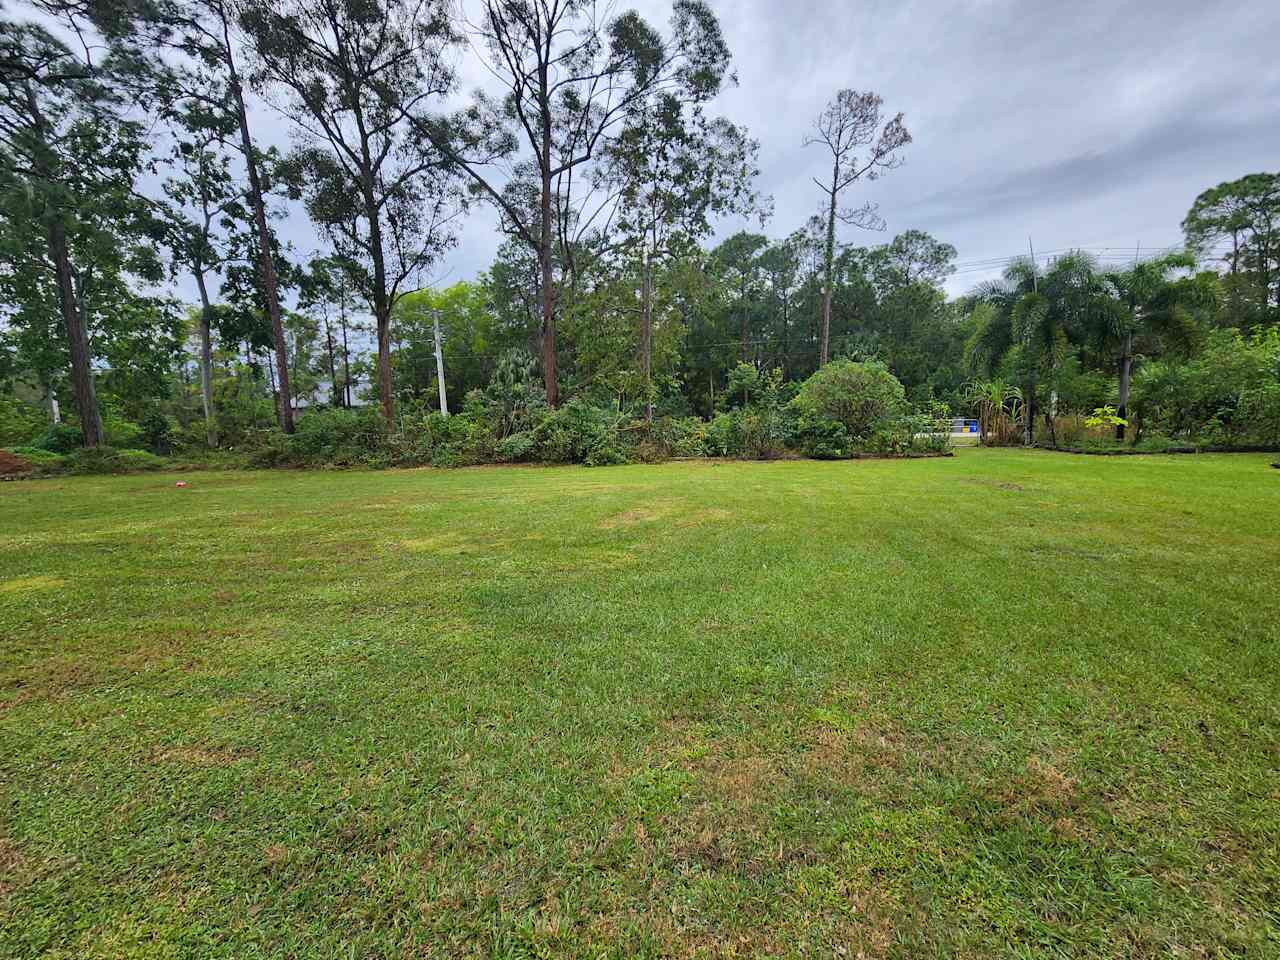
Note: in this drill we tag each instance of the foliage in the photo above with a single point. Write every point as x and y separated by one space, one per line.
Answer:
1225 395
1105 417
105 459
861 397
20 422
998 404
60 438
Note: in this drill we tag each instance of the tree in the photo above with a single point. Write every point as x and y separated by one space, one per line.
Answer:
917 256
327 289
201 30
571 80
69 157
674 170
470 343
1247 212
850 122
206 202
1150 310
358 73
737 263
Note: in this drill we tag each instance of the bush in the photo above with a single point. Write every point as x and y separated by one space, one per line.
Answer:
1228 395
60 438
139 460
20 423
105 460
862 397
822 438
122 434
338 438
579 432
720 437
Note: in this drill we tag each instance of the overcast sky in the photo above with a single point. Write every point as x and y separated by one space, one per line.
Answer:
1091 124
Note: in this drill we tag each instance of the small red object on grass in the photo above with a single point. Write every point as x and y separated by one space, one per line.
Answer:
181 483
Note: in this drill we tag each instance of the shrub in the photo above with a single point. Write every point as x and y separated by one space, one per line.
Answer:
720 437
98 460
821 438
517 448
339 437
862 397
60 438
1226 395
139 460
20 422
579 432
122 434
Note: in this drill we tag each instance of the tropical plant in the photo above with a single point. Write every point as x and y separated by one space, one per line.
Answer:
998 403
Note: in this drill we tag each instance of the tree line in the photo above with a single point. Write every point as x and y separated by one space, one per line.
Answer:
129 161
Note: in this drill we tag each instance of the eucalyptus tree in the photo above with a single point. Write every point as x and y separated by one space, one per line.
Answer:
850 122
206 202
571 77
327 288
69 157
674 170
360 77
209 81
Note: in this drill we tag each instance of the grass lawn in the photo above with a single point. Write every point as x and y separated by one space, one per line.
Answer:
1008 704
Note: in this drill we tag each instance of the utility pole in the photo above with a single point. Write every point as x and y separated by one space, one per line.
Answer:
1029 401
435 329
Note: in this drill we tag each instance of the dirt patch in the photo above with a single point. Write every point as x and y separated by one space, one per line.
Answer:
998 484
12 465
199 756
1042 789
648 513
11 864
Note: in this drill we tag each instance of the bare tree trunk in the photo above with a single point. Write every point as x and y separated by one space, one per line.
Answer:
77 337
549 377
646 336
206 361
1126 373
333 367
346 354
829 258
266 263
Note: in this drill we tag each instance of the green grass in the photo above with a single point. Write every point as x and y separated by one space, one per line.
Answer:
1009 704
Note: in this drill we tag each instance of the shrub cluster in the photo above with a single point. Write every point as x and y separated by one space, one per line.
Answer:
846 409
1227 396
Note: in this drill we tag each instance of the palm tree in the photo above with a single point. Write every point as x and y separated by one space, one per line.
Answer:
1035 318
1150 311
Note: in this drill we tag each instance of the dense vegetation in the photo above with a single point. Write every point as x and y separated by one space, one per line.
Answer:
608 328
1007 704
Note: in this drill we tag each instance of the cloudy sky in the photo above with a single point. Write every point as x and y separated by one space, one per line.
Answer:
1090 124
